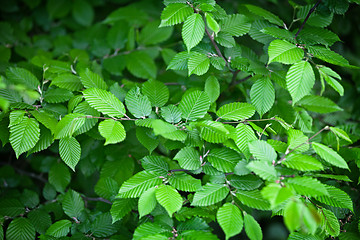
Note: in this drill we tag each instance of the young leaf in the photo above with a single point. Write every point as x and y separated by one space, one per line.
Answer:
252 227
175 13
340 133
292 215
169 198
113 131
24 135
198 64
230 219
171 114
92 80
188 158
138 104
265 170
236 111
284 52
245 182
297 140
336 198
329 155
210 194
73 204
318 104
253 199
157 92
302 162
70 151
184 182
262 95
105 102
22 76
262 151
223 159
299 80
155 164
276 194
211 23
243 135
194 105
193 30
179 61
68 125
20 228
307 186
329 56
236 25
212 88
147 202
214 132
57 95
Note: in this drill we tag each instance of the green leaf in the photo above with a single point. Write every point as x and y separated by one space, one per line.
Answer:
59 229
141 65
280 33
307 186
316 35
157 92
92 80
194 105
168 130
252 228
188 158
211 23
138 104
147 202
113 131
24 135
57 95
276 194
297 140
121 207
85 109
210 194
138 184
16 117
151 34
223 159
184 182
265 170
319 104
11 207
331 78
246 182
225 40
253 199
265 14
212 88
175 13
105 102
22 76
340 133
20 228
243 135
284 52
179 61
236 111
336 198
332 225
262 151
147 138
73 204
155 164
214 132
299 80
103 226
106 188
67 81
68 125
262 95
329 155
236 25
40 219
302 162
59 177
230 219
83 12
292 215
198 64
193 30
70 151
171 114
329 56
169 198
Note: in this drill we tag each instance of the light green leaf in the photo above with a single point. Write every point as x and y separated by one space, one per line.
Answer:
138 104
194 105
121 207
70 151
68 125
307 186
210 194
168 130
292 215
169 198
214 132
67 81
184 182
236 25
245 182
211 23
188 158
319 104
225 40
157 92
340 133
300 79
212 88
45 140
262 151
141 65
284 52
297 140
179 61
105 102
106 187
198 64
57 95
302 162
24 135
223 159
22 76
20 228
151 33
175 13
73 204
252 228
265 170
193 30
262 95
59 229
92 80
155 164
329 56
276 194
230 219
336 198
329 155
236 111
332 225
253 199
147 138
243 135
265 14
147 202
331 77
138 184
113 131
171 113
16 117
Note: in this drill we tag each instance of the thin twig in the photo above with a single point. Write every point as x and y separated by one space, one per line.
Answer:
307 17
116 119
217 49
99 199
178 170
29 174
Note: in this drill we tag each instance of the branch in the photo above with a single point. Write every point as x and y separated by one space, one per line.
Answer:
215 45
29 174
99 199
307 17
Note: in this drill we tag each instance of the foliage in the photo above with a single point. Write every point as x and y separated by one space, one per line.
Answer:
187 120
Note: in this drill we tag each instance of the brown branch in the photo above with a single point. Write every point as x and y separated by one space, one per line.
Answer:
307 17
215 46
99 199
